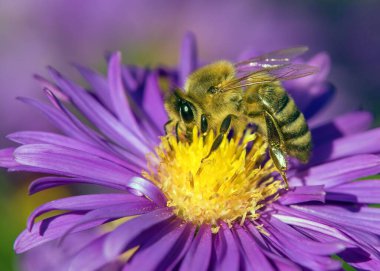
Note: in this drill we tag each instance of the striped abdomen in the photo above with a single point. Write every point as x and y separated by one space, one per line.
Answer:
290 121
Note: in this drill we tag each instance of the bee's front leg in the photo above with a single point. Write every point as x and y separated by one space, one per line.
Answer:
167 126
224 127
171 126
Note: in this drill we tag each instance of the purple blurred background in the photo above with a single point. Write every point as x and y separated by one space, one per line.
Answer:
34 34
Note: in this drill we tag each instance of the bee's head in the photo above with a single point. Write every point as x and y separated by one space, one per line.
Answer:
182 110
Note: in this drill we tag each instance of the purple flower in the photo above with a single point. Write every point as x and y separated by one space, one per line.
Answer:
227 214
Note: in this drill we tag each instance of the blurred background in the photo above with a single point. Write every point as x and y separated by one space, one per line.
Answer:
34 34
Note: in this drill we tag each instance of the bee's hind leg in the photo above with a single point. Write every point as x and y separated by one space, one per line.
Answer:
224 127
276 146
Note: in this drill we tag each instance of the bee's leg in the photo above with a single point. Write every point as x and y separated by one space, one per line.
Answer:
204 124
226 123
166 125
176 131
276 146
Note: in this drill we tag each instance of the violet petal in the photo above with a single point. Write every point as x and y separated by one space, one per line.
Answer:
50 182
117 240
165 252
300 194
362 143
252 253
50 229
154 109
199 255
82 203
188 58
367 191
226 250
90 257
338 172
6 158
118 94
71 163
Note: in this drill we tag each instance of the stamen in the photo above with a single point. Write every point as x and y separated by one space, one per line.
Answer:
231 185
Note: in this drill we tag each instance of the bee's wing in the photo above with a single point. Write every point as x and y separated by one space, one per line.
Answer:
271 59
270 74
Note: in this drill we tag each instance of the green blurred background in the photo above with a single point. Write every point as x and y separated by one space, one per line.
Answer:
34 34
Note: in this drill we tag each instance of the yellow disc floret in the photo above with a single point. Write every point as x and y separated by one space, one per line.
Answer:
230 185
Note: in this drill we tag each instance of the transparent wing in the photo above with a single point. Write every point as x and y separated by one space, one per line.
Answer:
270 74
271 59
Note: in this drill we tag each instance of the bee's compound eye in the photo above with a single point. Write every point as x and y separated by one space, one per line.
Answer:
204 124
186 113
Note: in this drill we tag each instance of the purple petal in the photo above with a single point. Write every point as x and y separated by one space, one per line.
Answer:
359 218
59 119
91 136
280 262
129 79
50 229
125 209
117 241
298 219
49 182
367 191
118 94
359 259
199 255
152 102
310 246
148 189
226 250
98 84
303 194
323 62
82 203
188 58
295 252
361 143
31 137
67 122
6 158
165 253
46 84
344 125
252 253
319 96
71 163
91 257
338 172
99 116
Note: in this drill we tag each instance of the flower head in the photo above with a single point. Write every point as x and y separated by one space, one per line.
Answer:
230 184
225 212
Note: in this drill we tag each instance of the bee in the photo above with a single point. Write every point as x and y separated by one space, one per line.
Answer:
223 96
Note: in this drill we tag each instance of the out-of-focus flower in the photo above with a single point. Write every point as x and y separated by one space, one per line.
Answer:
226 214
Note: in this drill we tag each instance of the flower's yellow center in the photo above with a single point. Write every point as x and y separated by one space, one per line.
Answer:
230 185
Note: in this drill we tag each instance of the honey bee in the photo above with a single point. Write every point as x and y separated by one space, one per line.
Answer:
223 96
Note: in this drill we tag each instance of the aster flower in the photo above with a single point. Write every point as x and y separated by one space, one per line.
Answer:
226 213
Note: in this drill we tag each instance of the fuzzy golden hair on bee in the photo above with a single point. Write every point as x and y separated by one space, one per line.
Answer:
223 96
209 77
